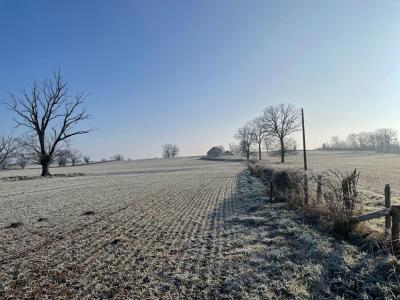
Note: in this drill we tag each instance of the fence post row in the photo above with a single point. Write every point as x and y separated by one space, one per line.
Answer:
391 212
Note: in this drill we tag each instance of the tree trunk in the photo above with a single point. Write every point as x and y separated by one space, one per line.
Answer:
282 151
45 162
259 151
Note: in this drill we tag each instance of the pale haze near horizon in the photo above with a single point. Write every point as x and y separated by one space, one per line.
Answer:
191 72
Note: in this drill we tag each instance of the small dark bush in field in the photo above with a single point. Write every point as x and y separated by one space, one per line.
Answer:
88 213
86 159
41 219
14 225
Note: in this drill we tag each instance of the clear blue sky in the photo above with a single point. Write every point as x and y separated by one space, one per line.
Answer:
191 72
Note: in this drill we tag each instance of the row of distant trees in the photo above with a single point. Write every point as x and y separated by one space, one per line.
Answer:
13 151
384 140
271 131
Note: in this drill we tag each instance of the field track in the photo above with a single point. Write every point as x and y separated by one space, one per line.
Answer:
194 230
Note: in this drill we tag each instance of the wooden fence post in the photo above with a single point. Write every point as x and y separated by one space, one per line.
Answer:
387 206
305 188
271 190
346 196
395 228
319 187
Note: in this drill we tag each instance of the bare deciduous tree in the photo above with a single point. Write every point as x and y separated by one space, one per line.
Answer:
8 147
352 141
258 133
75 156
269 142
86 159
174 151
63 157
245 137
281 121
118 157
51 114
22 161
362 138
385 138
233 148
170 150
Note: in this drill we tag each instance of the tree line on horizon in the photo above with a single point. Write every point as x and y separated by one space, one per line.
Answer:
383 140
271 131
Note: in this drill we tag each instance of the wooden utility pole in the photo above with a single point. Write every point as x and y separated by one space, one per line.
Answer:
304 140
305 160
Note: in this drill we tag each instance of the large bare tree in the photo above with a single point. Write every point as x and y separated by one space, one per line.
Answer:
51 114
281 121
245 137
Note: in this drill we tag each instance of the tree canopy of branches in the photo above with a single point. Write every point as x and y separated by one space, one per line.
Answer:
51 114
169 150
281 121
245 137
8 148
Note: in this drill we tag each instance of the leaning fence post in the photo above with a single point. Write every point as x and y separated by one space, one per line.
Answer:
387 206
395 228
319 187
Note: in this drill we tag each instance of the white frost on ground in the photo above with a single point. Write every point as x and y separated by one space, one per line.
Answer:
162 229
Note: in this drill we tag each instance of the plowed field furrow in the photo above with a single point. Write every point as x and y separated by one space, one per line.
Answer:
150 235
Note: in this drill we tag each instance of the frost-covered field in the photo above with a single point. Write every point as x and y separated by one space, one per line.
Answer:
168 229
376 171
